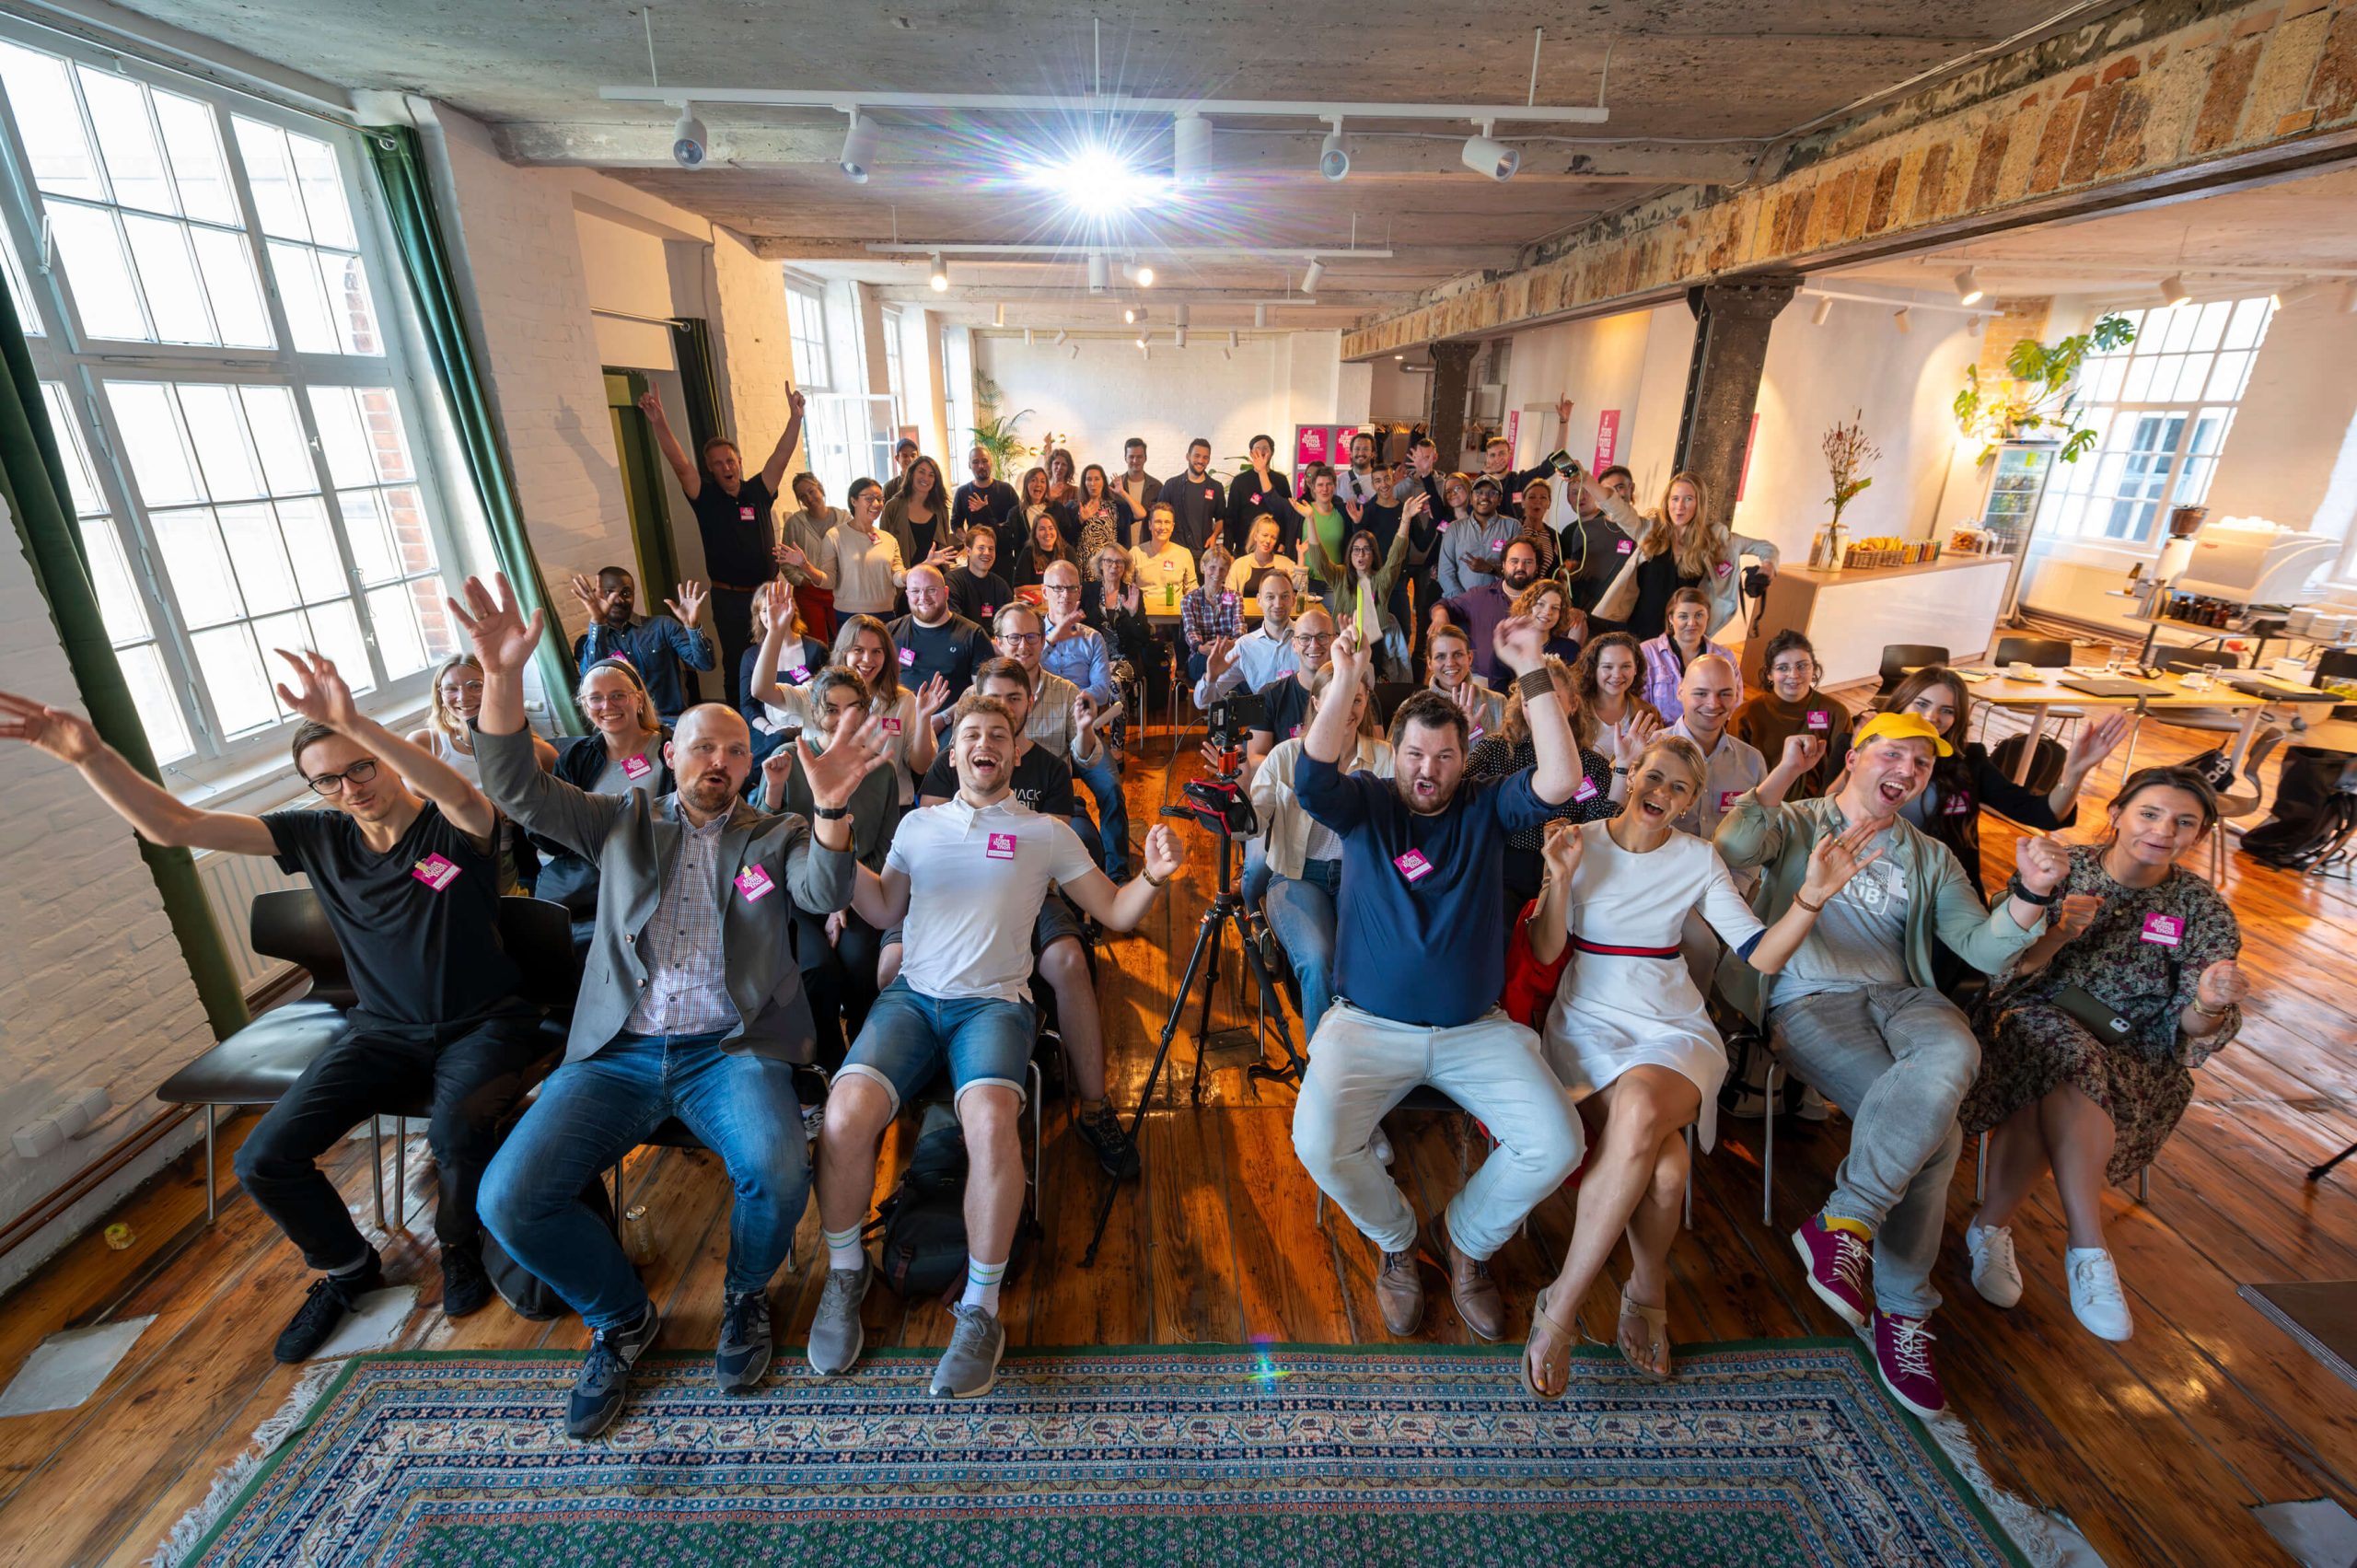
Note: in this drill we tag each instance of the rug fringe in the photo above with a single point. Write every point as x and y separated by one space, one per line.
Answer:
179 1543
2028 1526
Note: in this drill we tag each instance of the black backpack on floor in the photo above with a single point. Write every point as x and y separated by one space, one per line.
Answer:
525 1293
923 1221
2314 809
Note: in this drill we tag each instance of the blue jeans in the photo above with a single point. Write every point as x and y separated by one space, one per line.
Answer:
593 1112
1103 782
911 1037
1256 870
1301 913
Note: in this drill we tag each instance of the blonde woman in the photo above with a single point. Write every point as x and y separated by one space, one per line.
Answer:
863 645
457 698
1685 544
623 751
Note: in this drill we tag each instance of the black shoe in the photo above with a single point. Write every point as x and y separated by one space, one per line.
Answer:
1103 1131
743 1353
598 1392
466 1285
323 1309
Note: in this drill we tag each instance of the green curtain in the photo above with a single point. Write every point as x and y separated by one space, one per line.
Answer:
408 202
34 479
692 347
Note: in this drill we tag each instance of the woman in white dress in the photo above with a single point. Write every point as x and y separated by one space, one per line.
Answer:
1627 1033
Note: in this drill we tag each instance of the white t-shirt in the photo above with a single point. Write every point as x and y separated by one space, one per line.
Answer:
976 879
863 568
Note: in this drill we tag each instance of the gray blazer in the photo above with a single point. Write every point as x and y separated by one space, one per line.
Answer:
634 841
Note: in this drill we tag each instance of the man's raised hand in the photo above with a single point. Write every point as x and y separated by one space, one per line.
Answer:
501 638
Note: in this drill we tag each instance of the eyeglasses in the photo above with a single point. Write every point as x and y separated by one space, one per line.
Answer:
360 772
1060 587
1023 639
1311 639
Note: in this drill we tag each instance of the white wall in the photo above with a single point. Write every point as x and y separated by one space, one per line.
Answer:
1111 392
1609 362
94 992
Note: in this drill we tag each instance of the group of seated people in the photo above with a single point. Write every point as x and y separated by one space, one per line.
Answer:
1571 865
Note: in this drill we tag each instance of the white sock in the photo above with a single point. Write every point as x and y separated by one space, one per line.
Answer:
982 1282
843 1251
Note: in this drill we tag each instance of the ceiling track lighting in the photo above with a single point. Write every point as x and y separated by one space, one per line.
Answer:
998 315
1311 273
1178 337
691 143
1139 272
1131 315
1823 309
1063 335
1232 339
860 139
1181 316
1030 338
1488 157
1190 149
1259 315
939 277
2173 290
1334 159
1075 351
1902 319
1968 288
1099 273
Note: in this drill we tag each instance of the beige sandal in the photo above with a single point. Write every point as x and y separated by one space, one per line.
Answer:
1656 1322
1560 1358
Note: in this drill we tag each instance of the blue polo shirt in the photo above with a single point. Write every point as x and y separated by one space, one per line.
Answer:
1419 922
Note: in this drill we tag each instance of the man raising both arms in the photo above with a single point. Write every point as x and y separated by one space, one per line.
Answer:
733 515
965 880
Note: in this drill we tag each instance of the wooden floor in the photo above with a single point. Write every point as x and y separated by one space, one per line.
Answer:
2156 1448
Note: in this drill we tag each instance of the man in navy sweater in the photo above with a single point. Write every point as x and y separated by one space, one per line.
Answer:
1422 872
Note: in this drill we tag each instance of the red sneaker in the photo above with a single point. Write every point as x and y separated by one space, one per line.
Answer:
1837 1259
1903 1356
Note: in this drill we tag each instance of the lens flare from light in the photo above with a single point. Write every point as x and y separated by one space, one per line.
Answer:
1094 177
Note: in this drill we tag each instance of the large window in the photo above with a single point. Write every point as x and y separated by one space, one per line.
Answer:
892 367
2160 408
197 273
806 315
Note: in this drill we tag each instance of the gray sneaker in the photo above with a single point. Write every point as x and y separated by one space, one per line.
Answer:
969 1367
744 1353
836 1336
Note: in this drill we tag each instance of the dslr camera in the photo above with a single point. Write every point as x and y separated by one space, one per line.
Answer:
1230 721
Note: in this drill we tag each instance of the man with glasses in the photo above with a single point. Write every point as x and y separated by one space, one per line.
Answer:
1076 652
1257 658
1285 702
411 890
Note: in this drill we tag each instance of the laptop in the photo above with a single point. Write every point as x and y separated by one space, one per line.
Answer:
2108 686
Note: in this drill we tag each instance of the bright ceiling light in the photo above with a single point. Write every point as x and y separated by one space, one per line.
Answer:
1131 315
691 143
1139 272
1096 178
2173 290
1315 271
1968 288
1100 272
1334 159
860 141
1488 157
1190 150
1823 309
1902 319
940 277
1143 342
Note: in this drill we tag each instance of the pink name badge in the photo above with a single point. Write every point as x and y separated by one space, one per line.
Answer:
1727 799
1819 719
1959 807
1228 599
1256 498
1472 734
1724 567
636 767
988 610
1293 734
2169 929
744 514
798 675
908 657
437 873
1001 847
1413 866
755 883
1587 791
1625 546
1210 495
890 724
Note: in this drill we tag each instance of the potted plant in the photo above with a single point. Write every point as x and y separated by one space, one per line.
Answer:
997 433
2039 393
1847 451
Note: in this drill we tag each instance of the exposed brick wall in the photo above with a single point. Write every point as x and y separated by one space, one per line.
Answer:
2152 94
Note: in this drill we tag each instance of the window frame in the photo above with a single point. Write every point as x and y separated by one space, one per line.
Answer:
799 296
64 353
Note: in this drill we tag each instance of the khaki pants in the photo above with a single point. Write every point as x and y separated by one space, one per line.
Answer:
1361 1066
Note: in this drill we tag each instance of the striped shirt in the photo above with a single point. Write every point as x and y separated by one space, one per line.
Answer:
687 977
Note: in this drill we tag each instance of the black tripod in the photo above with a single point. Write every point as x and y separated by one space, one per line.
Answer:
1227 908
2319 1172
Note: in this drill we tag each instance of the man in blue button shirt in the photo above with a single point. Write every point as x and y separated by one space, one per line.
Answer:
1419 964
657 645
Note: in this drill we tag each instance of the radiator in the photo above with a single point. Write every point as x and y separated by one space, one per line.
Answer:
231 883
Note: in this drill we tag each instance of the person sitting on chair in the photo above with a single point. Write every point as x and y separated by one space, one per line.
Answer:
1680 645
691 1006
1853 1013
2140 942
1792 705
1423 861
1285 702
965 879
1259 656
1449 669
412 892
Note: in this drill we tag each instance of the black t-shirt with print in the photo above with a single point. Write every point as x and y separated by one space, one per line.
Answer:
1042 780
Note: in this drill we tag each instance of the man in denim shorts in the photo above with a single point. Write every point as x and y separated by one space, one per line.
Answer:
964 880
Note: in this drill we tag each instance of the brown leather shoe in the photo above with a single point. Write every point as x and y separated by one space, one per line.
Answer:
1469 1285
1399 1293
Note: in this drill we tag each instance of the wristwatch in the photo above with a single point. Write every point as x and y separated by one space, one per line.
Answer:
2017 889
830 813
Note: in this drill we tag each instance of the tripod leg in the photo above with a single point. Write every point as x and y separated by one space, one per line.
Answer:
2317 1173
1270 1006
1206 936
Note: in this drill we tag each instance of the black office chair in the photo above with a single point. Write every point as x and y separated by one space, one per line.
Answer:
2338 664
1900 660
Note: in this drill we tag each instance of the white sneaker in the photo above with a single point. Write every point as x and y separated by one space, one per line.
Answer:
1814 1106
1379 1146
1995 1274
2095 1295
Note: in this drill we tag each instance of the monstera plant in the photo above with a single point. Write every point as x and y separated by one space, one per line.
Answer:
998 434
2039 393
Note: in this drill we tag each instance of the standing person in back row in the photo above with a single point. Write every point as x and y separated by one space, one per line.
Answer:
1424 875
733 515
985 499
1195 499
412 893
655 645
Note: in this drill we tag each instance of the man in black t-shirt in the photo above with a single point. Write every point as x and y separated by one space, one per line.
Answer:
985 498
733 515
933 639
1594 547
1195 498
412 892
977 592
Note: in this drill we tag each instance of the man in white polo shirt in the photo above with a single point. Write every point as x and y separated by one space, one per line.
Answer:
964 880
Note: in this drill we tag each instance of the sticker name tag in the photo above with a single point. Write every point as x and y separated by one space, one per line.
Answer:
1256 498
2167 930
1819 719
1587 792
437 873
798 675
1228 599
1624 547
1727 797
908 657
1413 866
1472 734
1293 734
744 514
890 724
755 883
636 767
1959 807
1001 847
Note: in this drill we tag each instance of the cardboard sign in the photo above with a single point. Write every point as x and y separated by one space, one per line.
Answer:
755 883
436 872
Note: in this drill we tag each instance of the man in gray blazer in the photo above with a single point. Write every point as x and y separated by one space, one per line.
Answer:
690 1006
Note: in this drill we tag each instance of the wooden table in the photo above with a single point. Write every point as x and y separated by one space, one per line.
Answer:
2159 696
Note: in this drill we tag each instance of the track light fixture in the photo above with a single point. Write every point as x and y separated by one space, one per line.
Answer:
1232 339
1903 320
1311 273
1334 159
860 139
1259 315
1178 337
1968 288
1063 335
998 314
940 276
1190 149
1031 339
1131 315
691 145
1823 309
1138 272
1099 273
2173 290
1488 157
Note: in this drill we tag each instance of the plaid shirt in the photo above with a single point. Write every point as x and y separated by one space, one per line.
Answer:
687 986
1211 611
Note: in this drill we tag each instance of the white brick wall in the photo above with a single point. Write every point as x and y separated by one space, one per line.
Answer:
756 349
93 990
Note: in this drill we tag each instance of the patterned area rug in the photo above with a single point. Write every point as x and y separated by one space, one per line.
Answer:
1767 1453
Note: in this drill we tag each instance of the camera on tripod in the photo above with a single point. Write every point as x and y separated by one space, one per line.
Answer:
1228 724
1219 802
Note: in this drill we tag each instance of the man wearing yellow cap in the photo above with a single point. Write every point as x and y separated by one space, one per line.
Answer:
1855 1014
